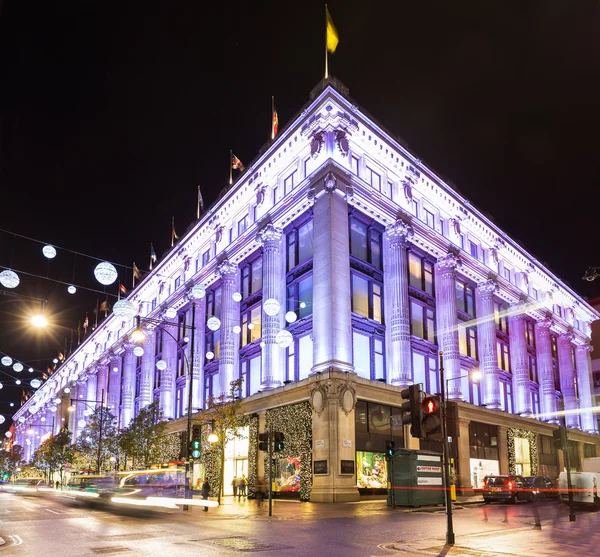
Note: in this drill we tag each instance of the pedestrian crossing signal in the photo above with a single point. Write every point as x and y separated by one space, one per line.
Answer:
432 417
195 448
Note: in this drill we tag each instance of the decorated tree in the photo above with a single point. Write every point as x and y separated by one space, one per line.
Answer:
11 460
98 440
223 412
54 454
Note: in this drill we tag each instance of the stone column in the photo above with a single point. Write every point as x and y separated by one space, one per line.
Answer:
90 394
397 304
58 423
114 386
167 376
332 318
486 343
273 279
127 387
447 321
518 360
102 383
584 367
230 316
148 366
80 407
567 378
199 351
543 347
503 449
464 457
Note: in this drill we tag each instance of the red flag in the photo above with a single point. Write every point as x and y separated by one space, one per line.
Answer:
274 120
136 272
236 163
122 288
86 322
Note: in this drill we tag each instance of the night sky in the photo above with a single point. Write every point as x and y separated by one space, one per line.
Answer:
113 112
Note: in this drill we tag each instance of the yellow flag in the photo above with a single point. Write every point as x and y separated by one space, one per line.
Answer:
332 34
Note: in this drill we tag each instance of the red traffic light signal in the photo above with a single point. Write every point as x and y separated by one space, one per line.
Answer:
429 405
431 409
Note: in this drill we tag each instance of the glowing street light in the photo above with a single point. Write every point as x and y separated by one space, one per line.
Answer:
39 321
212 438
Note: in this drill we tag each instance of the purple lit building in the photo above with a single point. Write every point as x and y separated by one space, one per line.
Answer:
333 271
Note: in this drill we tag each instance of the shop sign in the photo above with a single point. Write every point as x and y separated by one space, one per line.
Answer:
320 444
347 467
437 469
429 481
320 466
347 443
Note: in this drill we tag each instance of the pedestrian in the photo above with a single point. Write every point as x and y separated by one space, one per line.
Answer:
57 484
205 493
243 485
260 491
234 485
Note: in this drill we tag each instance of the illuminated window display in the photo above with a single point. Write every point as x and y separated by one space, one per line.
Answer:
287 474
371 470
481 468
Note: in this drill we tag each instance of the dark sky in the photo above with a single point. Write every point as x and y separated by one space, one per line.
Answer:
112 112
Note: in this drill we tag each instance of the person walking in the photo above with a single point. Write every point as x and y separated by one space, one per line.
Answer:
261 487
243 485
234 485
205 493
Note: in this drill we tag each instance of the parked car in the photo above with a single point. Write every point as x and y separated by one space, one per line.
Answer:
509 488
542 488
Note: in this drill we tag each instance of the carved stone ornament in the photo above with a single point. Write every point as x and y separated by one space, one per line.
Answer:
456 225
399 231
316 145
341 140
269 234
407 190
318 398
260 194
488 287
330 182
449 262
227 268
346 397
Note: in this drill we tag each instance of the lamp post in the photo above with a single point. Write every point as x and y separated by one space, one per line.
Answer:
138 335
446 462
101 402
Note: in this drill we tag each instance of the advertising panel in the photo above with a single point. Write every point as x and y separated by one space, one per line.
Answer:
371 470
481 468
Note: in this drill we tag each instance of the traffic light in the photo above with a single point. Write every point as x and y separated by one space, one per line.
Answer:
452 427
560 437
431 422
195 448
278 439
389 449
412 407
263 442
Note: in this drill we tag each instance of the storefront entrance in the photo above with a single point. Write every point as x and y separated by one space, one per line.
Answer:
236 460
522 456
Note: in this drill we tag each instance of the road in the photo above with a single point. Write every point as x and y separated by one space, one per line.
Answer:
36 527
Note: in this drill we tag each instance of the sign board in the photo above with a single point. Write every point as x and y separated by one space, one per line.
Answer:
430 458
437 469
347 443
347 467
429 481
320 444
320 466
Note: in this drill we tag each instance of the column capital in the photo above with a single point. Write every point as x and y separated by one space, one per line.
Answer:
587 347
269 235
227 269
488 287
566 338
448 263
399 232
545 323
517 309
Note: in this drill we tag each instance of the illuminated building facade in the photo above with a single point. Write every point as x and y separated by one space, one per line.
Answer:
334 270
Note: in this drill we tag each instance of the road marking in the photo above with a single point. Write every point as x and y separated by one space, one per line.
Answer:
16 540
51 511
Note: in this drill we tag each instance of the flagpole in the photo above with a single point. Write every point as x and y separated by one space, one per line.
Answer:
172 229
151 251
272 112
198 209
326 51
230 167
133 282
97 312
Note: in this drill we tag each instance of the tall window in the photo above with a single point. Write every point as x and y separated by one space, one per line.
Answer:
367 298
250 374
429 218
179 398
420 273
251 325
467 341
354 165
290 182
500 317
158 348
242 225
181 332
530 333
422 321
205 257
299 245
213 338
369 360
300 296
465 298
299 359
251 277
365 242
138 375
425 372
373 178
503 357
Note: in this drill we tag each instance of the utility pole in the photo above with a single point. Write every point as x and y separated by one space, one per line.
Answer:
271 441
100 432
188 434
569 484
446 459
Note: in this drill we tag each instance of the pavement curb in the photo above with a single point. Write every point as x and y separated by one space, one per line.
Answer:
2 541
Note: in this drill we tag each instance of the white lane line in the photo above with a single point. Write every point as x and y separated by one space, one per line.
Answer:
51 511
16 540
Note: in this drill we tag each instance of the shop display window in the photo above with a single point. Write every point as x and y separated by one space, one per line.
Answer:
371 470
287 474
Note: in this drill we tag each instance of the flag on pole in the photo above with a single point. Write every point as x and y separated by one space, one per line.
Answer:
236 163
61 356
200 203
86 324
274 119
136 272
152 255
173 233
104 307
122 288
332 34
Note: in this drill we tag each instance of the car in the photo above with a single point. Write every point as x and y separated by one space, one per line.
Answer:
506 488
542 488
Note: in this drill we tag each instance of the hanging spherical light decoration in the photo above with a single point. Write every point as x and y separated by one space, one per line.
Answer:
302 305
105 273
171 313
67 390
6 361
210 355
198 291
12 404
291 316
49 252
9 279
18 382
115 369
55 361
8 434
161 365
35 383
2 419
81 423
30 370
250 325
284 338
138 351
213 323
52 408
18 367
71 289
237 329
237 297
57 401
271 306
43 419
124 309
1 385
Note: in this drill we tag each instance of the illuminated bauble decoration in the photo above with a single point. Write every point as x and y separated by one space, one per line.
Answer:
262 344
124 309
161 365
21 420
52 408
138 351
18 382
49 252
81 423
115 369
171 313
33 409
12 404
284 338
6 361
43 419
213 323
57 401
237 329
105 273
30 370
35 383
302 305
71 289
237 297
271 306
291 316
210 355
1 385
9 279
55 361
2 420
67 390
250 325
18 367
198 291
8 434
